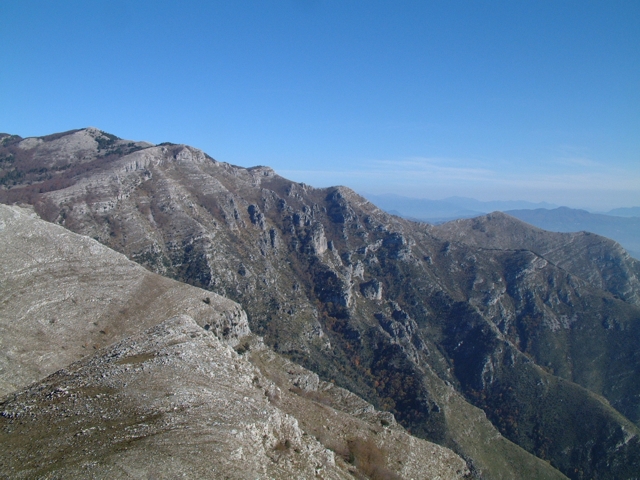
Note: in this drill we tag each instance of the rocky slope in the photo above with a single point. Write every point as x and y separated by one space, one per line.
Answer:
600 261
63 295
454 332
175 399
625 231
177 402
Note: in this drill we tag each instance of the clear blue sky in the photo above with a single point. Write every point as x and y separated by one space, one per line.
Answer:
533 100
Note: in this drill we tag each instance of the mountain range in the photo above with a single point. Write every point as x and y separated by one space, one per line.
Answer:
624 230
447 209
512 348
621 224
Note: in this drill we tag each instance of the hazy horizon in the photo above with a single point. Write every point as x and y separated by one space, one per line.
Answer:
533 101
531 204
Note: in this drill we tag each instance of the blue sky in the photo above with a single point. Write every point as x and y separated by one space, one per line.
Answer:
531 100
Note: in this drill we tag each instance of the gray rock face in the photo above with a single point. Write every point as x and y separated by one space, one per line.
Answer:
371 290
462 316
174 401
600 261
63 296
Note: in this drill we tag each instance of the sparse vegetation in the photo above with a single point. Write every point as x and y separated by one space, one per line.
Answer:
9 139
243 348
12 177
368 458
106 140
315 395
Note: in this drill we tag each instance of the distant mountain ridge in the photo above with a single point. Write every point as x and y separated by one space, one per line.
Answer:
513 346
624 230
451 208
614 225
625 212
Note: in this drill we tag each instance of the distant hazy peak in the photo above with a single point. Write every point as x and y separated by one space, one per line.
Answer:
625 212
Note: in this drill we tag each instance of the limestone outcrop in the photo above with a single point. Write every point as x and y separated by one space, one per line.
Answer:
62 296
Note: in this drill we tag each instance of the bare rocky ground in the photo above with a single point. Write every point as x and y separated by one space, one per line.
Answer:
175 400
352 427
62 296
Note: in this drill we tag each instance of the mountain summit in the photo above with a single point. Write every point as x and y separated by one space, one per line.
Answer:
515 347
